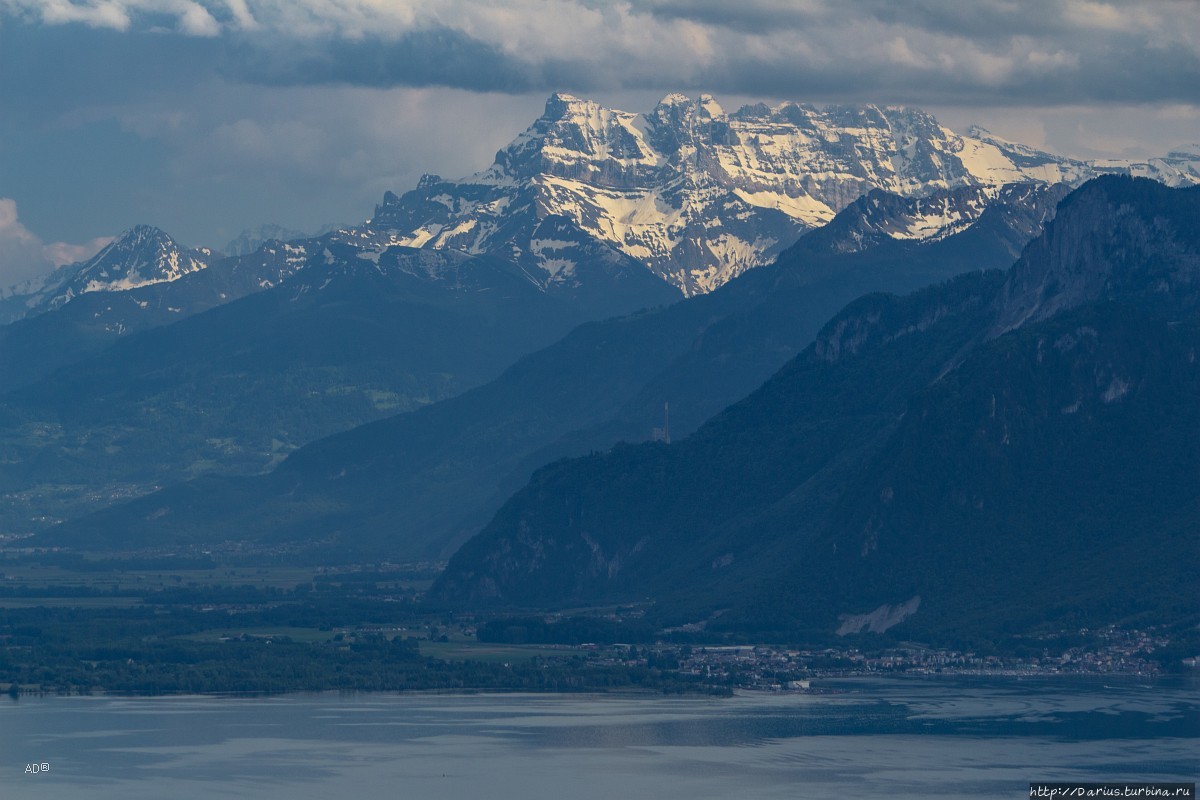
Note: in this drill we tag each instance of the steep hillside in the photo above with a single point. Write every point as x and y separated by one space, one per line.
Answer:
915 450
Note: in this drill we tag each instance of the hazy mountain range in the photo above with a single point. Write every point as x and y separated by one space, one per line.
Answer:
845 447
419 484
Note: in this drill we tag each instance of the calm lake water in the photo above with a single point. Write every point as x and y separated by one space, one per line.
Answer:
943 737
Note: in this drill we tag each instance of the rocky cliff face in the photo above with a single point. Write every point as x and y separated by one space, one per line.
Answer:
1116 237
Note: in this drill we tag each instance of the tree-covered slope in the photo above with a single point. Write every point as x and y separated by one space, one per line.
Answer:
1002 447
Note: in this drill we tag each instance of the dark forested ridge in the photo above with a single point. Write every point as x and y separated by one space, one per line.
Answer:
1001 451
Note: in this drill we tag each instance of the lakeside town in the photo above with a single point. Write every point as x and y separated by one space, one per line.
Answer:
772 668
341 611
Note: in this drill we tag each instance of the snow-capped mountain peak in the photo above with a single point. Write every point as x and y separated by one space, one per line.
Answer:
141 256
699 194
579 140
693 192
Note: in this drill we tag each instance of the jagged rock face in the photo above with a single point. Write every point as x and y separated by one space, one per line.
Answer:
1102 243
700 195
1177 168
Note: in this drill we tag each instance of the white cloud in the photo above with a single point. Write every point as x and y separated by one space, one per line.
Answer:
11 228
193 18
59 253
23 255
242 17
900 53
102 14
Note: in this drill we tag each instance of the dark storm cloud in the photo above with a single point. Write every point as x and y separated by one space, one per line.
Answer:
1113 75
922 51
947 51
983 20
1134 73
926 51
47 71
437 57
979 19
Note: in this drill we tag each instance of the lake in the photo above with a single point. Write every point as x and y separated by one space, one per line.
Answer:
876 738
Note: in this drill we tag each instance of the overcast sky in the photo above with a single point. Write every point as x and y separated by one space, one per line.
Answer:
206 117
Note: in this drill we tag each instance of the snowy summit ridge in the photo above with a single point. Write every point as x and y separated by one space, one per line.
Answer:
698 194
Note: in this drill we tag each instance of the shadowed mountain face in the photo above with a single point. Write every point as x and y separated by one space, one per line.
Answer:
347 328
1001 451
419 484
143 279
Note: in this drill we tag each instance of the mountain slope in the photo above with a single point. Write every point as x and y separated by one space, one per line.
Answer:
915 450
658 520
1054 476
142 280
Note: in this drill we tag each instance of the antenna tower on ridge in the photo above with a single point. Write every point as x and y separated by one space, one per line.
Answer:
663 434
